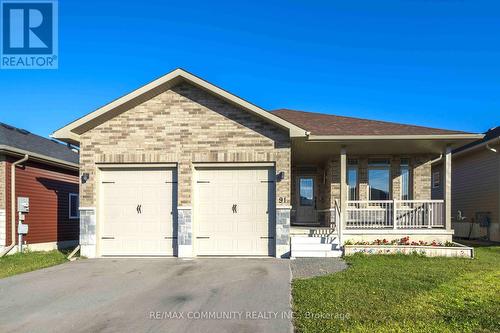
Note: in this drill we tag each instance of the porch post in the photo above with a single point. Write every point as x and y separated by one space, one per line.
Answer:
343 193
447 188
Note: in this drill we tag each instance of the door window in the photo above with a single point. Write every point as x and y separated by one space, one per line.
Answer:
306 191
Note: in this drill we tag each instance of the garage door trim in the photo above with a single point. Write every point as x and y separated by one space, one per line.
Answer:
271 167
101 167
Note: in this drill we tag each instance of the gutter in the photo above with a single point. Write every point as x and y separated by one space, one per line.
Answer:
485 144
13 204
39 157
344 138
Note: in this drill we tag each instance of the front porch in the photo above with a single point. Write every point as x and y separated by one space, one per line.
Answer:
362 194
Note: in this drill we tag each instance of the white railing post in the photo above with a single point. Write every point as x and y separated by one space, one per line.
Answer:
394 214
343 192
430 210
447 188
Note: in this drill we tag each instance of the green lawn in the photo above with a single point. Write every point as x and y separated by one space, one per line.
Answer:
30 261
400 293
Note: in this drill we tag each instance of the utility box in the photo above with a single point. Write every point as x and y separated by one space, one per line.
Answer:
23 204
22 229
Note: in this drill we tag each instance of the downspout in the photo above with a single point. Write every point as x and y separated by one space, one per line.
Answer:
13 204
70 257
437 159
492 149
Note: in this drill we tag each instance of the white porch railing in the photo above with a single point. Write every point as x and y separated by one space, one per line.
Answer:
396 214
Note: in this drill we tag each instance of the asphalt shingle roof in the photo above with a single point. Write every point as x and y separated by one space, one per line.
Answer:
22 139
327 124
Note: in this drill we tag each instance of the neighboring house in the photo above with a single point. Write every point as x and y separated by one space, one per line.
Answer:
182 167
49 179
475 188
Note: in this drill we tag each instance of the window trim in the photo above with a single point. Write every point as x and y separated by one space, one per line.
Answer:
73 217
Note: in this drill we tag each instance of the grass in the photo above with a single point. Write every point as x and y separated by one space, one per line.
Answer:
398 293
26 262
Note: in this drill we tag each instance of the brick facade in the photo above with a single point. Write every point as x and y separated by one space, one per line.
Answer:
184 125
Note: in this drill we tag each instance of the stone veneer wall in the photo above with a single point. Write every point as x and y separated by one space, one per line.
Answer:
185 125
88 232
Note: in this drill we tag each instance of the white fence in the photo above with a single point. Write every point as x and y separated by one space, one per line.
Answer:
397 214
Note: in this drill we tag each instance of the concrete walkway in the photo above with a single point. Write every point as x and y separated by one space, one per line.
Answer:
150 295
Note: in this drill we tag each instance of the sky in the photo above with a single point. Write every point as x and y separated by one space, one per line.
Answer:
431 63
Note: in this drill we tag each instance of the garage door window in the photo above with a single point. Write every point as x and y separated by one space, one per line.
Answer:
73 206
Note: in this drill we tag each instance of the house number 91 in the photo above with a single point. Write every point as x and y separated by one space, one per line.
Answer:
282 200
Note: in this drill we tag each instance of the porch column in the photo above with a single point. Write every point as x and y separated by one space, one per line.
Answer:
447 188
343 193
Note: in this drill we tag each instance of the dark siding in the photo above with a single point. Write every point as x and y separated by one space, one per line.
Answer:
437 192
48 189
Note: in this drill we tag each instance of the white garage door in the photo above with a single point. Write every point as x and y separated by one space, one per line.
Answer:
234 211
137 209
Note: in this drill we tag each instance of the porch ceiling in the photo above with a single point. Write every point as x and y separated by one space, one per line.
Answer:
309 151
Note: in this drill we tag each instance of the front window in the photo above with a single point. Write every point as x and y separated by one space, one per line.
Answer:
436 179
306 190
352 182
405 179
379 179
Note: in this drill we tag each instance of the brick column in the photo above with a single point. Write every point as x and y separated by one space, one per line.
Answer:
282 232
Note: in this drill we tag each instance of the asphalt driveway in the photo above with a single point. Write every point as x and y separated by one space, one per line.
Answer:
150 295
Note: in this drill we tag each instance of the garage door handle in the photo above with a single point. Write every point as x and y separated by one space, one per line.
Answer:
170 237
107 238
202 237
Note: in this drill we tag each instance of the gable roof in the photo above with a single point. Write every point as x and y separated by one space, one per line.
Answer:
72 131
23 142
332 125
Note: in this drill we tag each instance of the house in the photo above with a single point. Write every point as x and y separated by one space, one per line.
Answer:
43 174
182 167
475 188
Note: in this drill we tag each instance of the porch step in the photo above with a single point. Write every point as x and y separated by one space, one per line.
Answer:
316 254
321 247
314 240
314 246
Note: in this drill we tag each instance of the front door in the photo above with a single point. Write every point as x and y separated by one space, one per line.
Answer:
306 201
